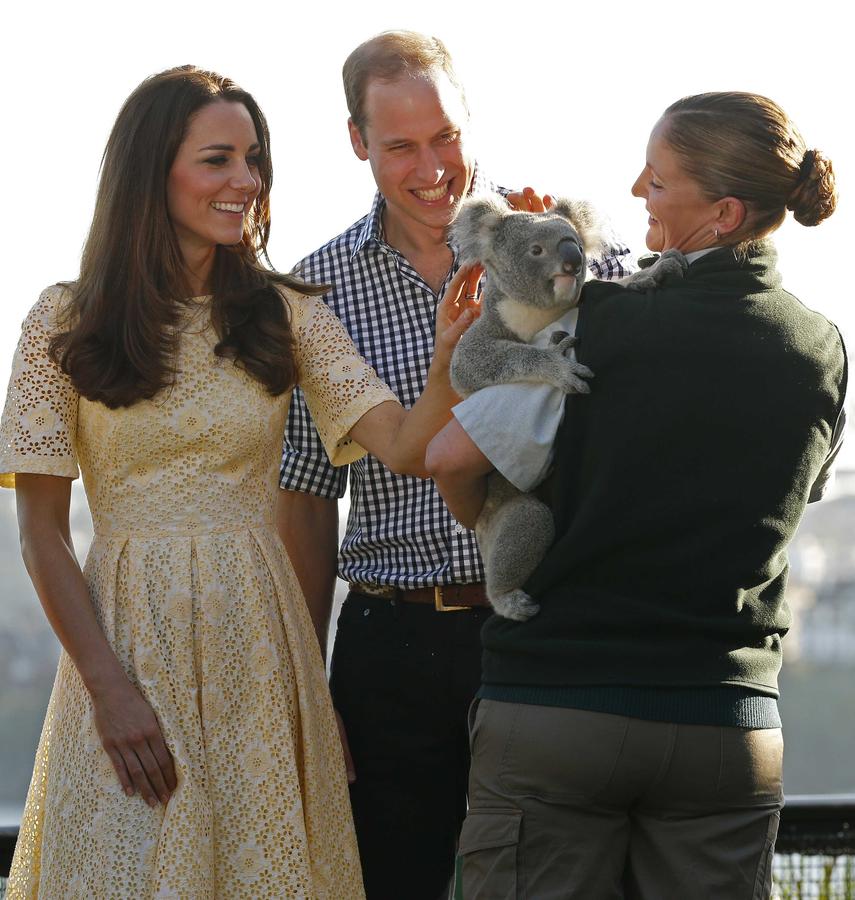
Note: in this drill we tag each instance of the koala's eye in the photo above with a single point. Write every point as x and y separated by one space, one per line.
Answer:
536 250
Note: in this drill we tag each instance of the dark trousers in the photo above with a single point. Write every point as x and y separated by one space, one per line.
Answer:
403 676
567 804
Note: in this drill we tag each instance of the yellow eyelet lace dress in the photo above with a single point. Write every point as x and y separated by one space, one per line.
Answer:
201 605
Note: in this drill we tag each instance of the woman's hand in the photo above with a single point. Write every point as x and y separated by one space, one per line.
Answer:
398 437
132 738
126 723
528 200
458 309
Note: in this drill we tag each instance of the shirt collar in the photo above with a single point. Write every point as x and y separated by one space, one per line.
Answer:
697 254
373 227
372 230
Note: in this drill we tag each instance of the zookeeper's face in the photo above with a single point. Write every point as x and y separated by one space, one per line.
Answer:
214 179
414 139
681 216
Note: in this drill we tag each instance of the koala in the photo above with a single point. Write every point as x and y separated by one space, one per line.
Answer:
536 264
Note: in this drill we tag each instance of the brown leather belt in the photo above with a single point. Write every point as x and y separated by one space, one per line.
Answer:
443 597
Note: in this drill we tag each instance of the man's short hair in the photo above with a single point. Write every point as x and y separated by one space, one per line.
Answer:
388 56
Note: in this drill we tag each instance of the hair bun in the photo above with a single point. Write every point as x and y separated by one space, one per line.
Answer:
814 196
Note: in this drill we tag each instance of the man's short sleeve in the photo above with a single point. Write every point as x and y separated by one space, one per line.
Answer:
305 464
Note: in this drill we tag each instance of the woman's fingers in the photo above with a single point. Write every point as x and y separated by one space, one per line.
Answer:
461 294
157 789
452 334
471 284
449 306
164 760
131 736
121 769
457 310
139 776
144 766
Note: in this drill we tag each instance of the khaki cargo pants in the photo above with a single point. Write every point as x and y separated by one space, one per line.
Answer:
565 803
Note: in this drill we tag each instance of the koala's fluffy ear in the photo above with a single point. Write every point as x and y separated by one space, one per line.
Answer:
474 228
585 219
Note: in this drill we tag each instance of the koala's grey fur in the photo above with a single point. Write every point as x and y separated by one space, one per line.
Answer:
671 262
536 264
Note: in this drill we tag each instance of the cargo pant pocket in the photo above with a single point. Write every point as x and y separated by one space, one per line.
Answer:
763 879
487 855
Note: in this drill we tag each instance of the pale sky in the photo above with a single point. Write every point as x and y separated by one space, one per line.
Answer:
562 99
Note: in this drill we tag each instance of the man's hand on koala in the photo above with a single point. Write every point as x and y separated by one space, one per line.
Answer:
528 200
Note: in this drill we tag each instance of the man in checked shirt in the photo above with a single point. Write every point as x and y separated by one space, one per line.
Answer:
406 660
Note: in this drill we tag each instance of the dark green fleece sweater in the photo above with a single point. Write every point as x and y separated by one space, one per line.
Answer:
679 482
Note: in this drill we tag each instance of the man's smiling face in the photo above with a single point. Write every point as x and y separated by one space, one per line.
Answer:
414 139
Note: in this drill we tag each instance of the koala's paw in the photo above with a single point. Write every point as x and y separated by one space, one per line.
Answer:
571 376
672 263
515 605
562 341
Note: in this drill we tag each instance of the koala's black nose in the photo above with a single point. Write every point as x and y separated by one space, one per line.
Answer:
571 256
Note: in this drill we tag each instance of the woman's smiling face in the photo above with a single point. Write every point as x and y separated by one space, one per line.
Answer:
682 217
214 178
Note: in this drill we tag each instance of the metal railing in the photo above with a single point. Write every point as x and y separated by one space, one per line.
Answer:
814 855
815 851
8 836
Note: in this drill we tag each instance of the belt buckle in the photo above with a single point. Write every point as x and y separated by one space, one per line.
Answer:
438 605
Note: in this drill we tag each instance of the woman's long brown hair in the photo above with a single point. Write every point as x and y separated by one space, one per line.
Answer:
120 338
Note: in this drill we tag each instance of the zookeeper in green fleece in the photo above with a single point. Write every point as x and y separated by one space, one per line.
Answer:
626 740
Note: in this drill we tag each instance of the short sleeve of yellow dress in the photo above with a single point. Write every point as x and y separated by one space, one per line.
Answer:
39 423
199 601
339 386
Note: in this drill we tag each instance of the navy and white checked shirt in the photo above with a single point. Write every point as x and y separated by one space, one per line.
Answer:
399 531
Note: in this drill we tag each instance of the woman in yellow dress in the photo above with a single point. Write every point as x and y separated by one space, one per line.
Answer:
189 748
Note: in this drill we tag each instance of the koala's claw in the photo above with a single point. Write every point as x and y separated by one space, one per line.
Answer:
670 263
678 264
562 337
571 377
515 605
565 342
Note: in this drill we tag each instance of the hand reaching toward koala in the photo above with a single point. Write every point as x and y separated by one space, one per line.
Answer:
456 311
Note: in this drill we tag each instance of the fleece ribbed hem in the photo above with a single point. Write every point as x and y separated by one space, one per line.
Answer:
724 706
